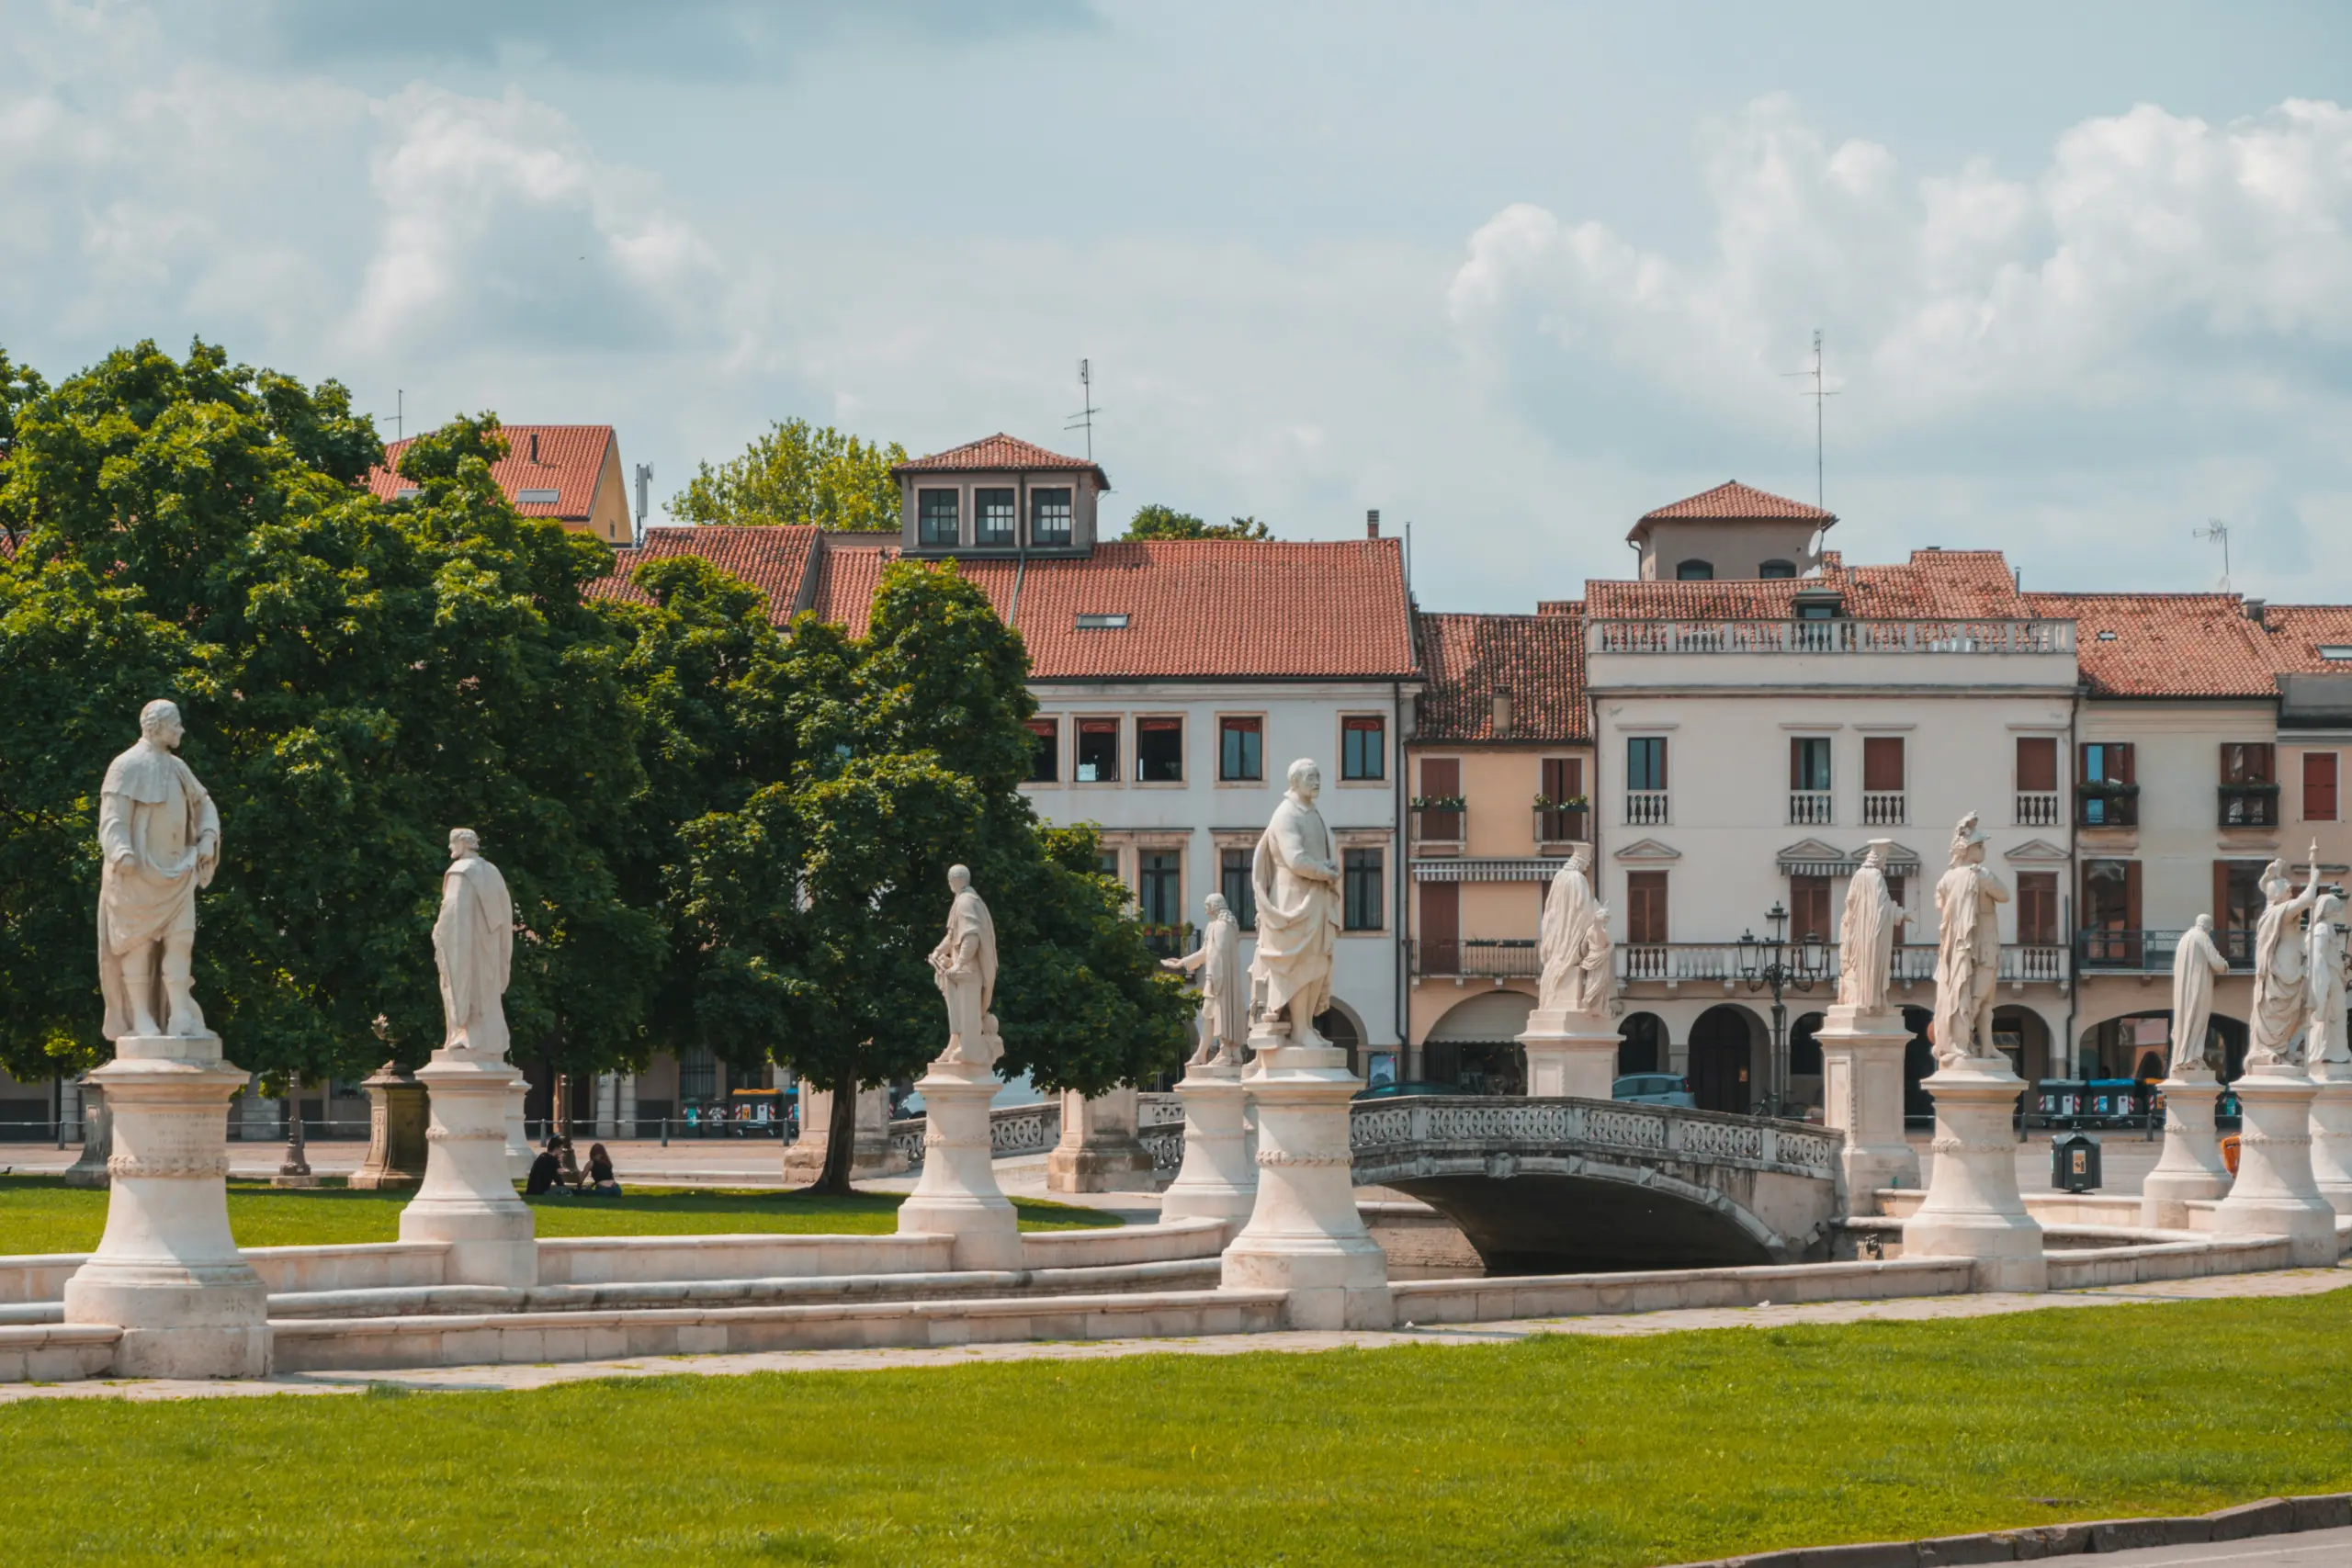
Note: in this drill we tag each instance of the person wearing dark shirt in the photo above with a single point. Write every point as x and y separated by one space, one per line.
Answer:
600 1182
546 1173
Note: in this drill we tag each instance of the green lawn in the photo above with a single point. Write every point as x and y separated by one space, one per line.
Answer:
1567 1449
43 1214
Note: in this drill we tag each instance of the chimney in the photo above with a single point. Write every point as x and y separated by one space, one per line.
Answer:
2253 610
1502 714
535 446
1372 523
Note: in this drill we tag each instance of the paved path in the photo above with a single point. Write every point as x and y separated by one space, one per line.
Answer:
2312 1549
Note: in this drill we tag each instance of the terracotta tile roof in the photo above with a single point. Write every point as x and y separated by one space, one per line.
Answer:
846 582
1537 660
2299 631
775 561
1005 455
1932 585
570 456
1733 501
2194 645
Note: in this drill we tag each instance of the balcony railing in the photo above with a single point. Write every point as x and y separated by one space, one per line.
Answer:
1646 809
2107 810
2116 950
1510 958
1809 807
1913 963
1829 637
1440 825
2249 806
1886 808
2037 809
1560 825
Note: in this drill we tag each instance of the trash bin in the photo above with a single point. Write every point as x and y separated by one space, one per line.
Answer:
2074 1164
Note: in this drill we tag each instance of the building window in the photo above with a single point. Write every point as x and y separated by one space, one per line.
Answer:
1646 908
1809 797
1241 893
1774 570
2238 902
1559 815
1695 571
2108 794
1363 747
1241 750
1159 886
1366 908
1048 518
1883 802
697 1074
1098 750
1646 762
2319 786
2110 917
2038 908
2249 784
938 524
1106 861
1441 783
1160 751
1809 908
1045 751
992 515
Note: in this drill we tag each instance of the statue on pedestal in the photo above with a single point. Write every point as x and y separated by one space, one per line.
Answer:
1215 967
2282 1001
473 946
2196 965
1565 939
1866 930
1296 873
1968 951
160 836
2326 955
965 966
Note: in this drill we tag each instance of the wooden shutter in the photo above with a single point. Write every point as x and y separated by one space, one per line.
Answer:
2319 786
1441 935
2124 768
1646 908
1882 763
1796 764
2038 907
2037 763
2132 894
1563 777
1440 777
1809 908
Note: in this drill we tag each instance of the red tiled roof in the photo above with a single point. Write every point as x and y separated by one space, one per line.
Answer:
1002 454
1933 585
775 559
2193 645
2298 631
845 584
1733 501
571 457
1537 660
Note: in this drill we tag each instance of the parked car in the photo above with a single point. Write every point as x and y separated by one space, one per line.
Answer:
1654 1088
1404 1090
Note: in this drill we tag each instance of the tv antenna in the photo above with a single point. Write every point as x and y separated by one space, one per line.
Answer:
1084 418
2219 533
400 408
1820 395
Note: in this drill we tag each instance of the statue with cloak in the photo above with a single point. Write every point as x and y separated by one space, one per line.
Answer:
2282 1001
2196 965
1968 951
2326 962
1296 875
965 966
159 840
473 946
1866 928
1216 967
1564 935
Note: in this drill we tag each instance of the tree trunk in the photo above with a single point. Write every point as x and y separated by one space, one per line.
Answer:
841 1139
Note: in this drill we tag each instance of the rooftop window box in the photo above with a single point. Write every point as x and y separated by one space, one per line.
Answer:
1560 820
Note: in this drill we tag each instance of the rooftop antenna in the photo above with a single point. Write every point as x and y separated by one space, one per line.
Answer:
1084 418
2219 533
644 479
400 408
1820 395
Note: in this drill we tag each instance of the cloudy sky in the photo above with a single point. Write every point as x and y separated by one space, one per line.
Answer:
1513 273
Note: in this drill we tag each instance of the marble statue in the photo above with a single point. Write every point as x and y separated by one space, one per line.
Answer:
1968 951
2196 965
1866 930
1215 967
160 836
1563 934
1296 872
1587 992
2327 960
2283 1000
965 966
473 945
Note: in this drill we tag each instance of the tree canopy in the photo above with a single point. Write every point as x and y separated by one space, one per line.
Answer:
1154 520
798 473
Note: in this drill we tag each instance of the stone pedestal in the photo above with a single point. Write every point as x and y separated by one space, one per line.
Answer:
1972 1208
1098 1151
2274 1193
2331 1133
958 1195
1218 1176
395 1161
1569 1055
520 1156
1862 1096
468 1199
167 1271
97 1135
804 1158
1305 1235
2191 1165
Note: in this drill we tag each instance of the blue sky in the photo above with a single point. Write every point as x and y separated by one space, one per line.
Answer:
1513 273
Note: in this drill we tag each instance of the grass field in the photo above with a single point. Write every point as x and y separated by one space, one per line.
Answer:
43 1214
1567 1449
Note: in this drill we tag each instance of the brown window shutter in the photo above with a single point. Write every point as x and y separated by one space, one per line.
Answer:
2131 893
1882 763
2037 763
1574 772
1440 935
2319 786
2262 765
2127 764
1796 778
1440 777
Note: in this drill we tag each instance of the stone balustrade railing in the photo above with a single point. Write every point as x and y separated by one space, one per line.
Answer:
1662 1133
1035 1128
1603 637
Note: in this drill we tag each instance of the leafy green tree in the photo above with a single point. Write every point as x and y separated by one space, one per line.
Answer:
1154 520
798 473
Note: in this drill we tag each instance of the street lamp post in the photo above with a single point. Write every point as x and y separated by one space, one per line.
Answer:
1776 963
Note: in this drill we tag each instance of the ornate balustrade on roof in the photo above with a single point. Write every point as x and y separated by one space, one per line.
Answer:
1841 636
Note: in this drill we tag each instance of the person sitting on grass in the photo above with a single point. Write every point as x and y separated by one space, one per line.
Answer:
600 1182
563 1151
546 1173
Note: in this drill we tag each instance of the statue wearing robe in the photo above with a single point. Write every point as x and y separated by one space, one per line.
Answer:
1968 951
965 966
1296 875
2196 964
1587 993
2282 999
1215 967
473 945
1866 935
159 840
1569 914
2325 959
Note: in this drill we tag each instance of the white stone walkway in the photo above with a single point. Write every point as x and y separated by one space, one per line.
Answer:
2289 1282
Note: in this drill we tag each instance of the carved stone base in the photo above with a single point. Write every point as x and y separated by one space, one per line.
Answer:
2190 1167
957 1194
1098 1151
1972 1208
2332 1135
2274 1193
396 1143
1569 1055
1862 1096
97 1140
520 1156
167 1271
1305 1235
468 1199
1219 1176
804 1158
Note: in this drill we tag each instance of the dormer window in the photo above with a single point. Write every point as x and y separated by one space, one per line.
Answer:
1695 571
1817 605
536 497
992 515
939 520
1774 570
1049 515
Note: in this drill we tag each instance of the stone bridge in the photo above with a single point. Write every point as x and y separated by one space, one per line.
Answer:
1546 1185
